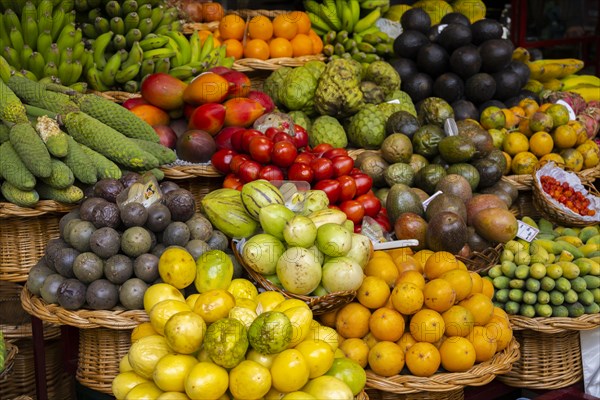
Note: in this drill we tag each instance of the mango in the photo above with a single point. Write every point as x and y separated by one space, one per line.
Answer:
242 111
163 91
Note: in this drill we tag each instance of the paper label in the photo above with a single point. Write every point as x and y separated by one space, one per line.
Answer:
394 244
526 232
433 196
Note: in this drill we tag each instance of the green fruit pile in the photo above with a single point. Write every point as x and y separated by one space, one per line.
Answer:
557 275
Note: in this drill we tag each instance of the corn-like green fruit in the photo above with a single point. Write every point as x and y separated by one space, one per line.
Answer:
13 168
82 166
163 154
31 149
22 198
71 194
11 108
55 139
61 175
105 168
4 133
35 94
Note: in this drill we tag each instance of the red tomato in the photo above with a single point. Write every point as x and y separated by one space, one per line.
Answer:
260 149
321 148
283 137
300 172
247 136
332 189
283 154
371 204
232 181
364 183
348 187
335 152
236 140
249 171
236 161
355 171
342 165
271 173
304 158
300 137
333 207
221 160
382 219
353 210
323 168
271 132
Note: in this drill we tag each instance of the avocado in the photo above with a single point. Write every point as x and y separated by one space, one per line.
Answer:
491 103
489 172
374 166
399 173
408 43
439 160
197 247
480 88
523 94
454 36
521 69
405 67
457 185
464 109
496 54
105 242
118 268
497 156
129 178
455 18
481 138
135 241
108 189
425 140
401 199
71 294
446 202
465 61
176 233
396 148
145 267
467 171
37 275
167 186
106 214
415 19
63 261
87 207
508 84
181 203
433 59
88 267
131 294
134 214
199 226
159 217
456 149
486 29
49 289
417 162
218 240
402 122
433 34
418 87
449 87
446 231
102 295
65 219
428 177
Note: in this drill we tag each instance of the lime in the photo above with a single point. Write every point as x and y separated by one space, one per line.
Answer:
512 308
522 257
516 284
570 270
575 310
578 284
547 283
529 298
516 295
543 297
537 270
560 311
586 298
563 285
495 271
501 282
507 255
593 308
596 293
527 310
592 282
543 310
533 285
571 296
509 268
556 298
554 271
522 272
502 295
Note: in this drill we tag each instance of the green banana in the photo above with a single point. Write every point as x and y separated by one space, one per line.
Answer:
178 58
318 22
110 70
12 57
170 15
156 15
135 55
102 25
132 20
195 46
29 75
87 59
123 53
28 11
89 30
131 86
94 13
162 65
347 17
129 6
44 22
355 9
119 42
93 78
5 69
183 44
147 68
183 72
117 25
30 32
207 47
331 17
312 6
66 37
70 17
36 64
50 69
79 87
367 21
43 7
159 53
12 21
78 50
58 19
99 48
113 9
134 35
53 54
4 39
373 4
128 73
145 26
65 70
25 53
68 5
144 11
152 43
16 38
66 55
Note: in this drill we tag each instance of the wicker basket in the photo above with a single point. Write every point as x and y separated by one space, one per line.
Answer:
23 243
551 211
21 380
15 323
100 352
318 305
478 375
457 394
84 319
523 206
9 359
481 261
550 351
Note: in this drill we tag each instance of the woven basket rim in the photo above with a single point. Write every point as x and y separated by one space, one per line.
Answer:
478 375
11 352
83 319
179 172
337 299
481 261
555 324
8 210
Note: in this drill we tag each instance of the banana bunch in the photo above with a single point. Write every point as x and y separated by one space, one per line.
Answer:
344 15
588 86
366 47
547 70
41 41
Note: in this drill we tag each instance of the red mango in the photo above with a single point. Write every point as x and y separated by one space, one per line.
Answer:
241 84
242 111
208 117
163 91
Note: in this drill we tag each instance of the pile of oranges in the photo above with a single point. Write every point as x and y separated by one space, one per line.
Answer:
423 311
287 35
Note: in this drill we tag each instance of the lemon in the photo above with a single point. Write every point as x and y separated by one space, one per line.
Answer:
298 395
124 382
249 380
177 267
472 9
289 371
246 303
244 315
573 159
173 396
214 305
124 365
171 370
300 318
553 157
564 137
318 355
142 330
161 312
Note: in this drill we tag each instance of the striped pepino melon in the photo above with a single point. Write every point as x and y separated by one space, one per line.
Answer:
227 213
258 194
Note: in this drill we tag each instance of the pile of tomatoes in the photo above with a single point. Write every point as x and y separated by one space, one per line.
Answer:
571 198
275 156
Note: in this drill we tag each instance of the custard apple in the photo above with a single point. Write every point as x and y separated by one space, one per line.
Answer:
326 129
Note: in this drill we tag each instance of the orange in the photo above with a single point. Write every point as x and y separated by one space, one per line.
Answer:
406 341
488 288
384 268
480 306
524 128
438 263
544 107
257 48
352 320
459 321
212 11
280 47
573 159
498 328
414 277
476 281
407 298
302 45
512 119
356 349
523 163
317 42
458 354
515 143
564 137
373 292
285 26
461 282
541 143
234 48
422 255
232 26
381 253
301 19
439 295
508 163
370 340
559 114
498 312
203 34
485 345
328 318
406 262
427 326
518 111
386 324
423 359
401 251
260 27
386 359
151 114
580 130
529 106
553 157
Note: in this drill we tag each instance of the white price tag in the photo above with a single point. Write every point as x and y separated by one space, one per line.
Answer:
526 232
395 101
394 244
433 196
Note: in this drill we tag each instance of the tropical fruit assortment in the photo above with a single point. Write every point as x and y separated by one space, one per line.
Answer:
118 243
233 341
556 275
424 311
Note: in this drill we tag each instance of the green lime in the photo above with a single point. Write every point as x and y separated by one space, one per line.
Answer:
556 298
522 257
596 293
547 283
586 298
571 296
560 311
529 298
509 268
502 295
543 297
522 272
570 270
507 255
533 285
592 282
554 271
501 282
512 308
593 308
537 270
515 295
516 283
527 310
563 285
543 310
495 271
578 284
575 310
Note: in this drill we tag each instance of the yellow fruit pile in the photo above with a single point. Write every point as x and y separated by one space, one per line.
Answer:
530 133
422 311
287 35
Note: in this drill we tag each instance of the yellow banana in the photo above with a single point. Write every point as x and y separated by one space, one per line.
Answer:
589 93
576 80
544 70
553 84
521 54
